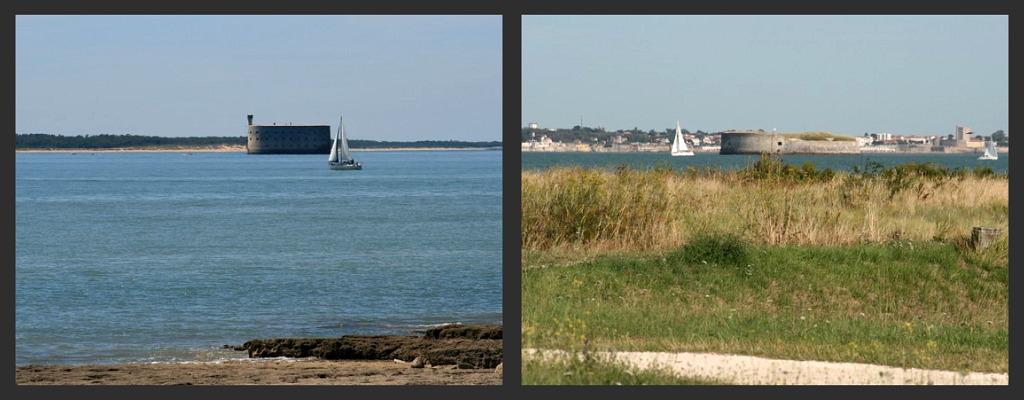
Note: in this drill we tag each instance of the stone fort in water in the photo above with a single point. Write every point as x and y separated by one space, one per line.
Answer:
288 139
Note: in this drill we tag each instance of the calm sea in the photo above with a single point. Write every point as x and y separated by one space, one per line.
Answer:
845 162
139 257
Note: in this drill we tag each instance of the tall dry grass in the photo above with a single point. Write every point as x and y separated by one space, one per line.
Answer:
660 209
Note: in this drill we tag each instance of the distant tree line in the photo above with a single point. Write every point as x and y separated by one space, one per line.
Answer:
378 144
46 141
41 140
1000 138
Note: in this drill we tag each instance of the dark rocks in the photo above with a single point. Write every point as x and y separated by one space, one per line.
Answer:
465 346
453 331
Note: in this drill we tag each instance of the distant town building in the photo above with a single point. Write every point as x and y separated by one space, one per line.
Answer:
881 137
962 135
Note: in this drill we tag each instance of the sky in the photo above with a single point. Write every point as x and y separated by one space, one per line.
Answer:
844 74
392 77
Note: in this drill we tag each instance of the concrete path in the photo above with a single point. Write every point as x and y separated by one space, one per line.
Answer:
748 370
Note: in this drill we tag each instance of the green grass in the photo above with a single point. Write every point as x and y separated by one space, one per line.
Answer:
908 304
579 372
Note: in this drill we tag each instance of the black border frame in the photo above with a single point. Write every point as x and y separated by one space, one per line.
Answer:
512 11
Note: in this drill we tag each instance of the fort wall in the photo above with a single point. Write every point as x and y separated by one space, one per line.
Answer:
288 139
757 143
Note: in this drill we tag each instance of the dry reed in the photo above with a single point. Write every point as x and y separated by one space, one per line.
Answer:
659 209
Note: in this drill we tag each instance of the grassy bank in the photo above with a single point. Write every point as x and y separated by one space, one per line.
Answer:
903 303
767 203
591 372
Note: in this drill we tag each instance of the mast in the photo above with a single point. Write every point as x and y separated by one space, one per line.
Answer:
345 154
334 147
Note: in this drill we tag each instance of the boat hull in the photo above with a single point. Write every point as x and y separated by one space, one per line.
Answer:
346 167
682 153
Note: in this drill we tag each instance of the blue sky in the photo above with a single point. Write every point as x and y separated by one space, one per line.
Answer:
393 77
845 74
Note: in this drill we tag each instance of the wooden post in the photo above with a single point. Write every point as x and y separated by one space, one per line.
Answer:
982 237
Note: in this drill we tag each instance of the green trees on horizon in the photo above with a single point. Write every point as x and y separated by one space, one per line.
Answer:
1000 138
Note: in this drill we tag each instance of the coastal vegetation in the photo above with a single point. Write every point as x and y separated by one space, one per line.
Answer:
768 202
873 265
384 144
45 141
105 141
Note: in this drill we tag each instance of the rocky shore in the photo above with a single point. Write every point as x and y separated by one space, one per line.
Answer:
450 354
464 346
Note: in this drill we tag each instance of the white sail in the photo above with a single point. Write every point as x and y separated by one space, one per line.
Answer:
990 151
334 147
341 157
345 154
679 147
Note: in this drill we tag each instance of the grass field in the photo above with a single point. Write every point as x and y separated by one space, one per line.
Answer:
773 260
923 305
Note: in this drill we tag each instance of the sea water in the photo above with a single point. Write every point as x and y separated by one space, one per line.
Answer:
149 257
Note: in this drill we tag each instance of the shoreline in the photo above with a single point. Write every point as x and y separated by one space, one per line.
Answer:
241 150
307 371
447 354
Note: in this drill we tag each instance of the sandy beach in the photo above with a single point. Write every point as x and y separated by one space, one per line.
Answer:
452 354
257 372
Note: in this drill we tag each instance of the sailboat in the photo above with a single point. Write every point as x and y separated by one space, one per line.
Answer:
341 158
679 147
990 151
